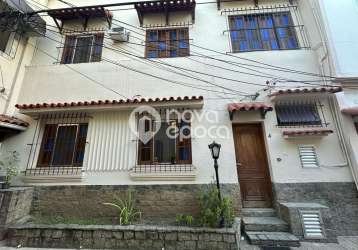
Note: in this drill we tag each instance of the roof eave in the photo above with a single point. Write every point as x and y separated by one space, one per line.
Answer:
190 104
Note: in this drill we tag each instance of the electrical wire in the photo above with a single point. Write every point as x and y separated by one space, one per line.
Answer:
277 78
195 78
152 75
270 66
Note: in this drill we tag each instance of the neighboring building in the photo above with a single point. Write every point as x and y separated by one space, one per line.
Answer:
17 43
248 73
340 44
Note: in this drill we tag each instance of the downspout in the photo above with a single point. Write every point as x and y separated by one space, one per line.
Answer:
333 105
18 67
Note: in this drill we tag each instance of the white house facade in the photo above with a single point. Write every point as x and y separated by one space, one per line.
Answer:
245 74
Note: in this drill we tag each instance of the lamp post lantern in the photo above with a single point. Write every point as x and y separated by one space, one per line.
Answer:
215 153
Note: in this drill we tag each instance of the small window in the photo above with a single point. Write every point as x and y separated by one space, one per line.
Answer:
167 43
308 156
164 149
82 48
297 114
63 145
269 31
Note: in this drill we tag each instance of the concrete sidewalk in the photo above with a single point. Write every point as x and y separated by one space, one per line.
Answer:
344 243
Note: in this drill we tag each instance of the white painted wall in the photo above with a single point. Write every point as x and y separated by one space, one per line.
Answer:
46 81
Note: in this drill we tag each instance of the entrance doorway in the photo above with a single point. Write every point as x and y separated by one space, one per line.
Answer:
252 166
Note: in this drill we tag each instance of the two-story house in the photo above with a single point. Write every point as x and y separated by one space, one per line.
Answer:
246 74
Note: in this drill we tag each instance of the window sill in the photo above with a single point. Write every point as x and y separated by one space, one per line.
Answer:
57 175
51 178
163 173
304 133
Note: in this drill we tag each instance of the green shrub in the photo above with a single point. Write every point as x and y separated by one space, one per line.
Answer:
211 208
127 213
184 220
9 165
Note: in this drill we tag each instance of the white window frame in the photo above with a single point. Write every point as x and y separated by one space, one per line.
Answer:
75 47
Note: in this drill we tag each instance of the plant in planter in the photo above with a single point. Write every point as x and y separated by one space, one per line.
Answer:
9 166
211 209
127 213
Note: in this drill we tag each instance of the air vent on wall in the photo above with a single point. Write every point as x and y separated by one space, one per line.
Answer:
312 224
308 156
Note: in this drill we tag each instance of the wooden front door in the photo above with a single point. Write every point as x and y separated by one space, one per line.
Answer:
252 166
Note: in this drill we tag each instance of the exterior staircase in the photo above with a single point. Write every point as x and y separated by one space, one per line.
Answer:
263 227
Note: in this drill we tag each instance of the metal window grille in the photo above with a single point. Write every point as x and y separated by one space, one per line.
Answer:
276 27
148 157
164 168
308 156
58 144
312 224
299 113
161 43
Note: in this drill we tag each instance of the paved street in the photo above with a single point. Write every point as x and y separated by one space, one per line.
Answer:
345 243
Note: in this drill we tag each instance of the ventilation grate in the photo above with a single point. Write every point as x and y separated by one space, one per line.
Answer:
308 156
312 224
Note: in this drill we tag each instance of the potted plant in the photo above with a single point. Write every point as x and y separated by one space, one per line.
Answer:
9 168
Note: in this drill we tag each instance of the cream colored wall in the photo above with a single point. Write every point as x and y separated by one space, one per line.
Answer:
60 83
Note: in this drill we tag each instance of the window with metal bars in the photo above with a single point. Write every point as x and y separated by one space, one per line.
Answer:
82 48
167 43
297 114
63 145
268 31
171 144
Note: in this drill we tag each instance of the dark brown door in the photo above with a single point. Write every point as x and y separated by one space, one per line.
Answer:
252 166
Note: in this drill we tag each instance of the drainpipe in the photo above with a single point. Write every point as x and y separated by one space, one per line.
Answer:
18 67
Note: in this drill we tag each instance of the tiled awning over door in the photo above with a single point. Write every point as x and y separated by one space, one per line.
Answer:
249 106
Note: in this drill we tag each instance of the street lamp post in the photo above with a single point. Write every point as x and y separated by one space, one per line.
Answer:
215 153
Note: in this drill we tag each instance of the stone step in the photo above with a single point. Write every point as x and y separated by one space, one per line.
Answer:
258 212
273 239
266 224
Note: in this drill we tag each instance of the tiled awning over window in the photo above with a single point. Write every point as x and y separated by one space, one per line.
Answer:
79 13
165 7
321 90
171 102
13 120
10 125
249 106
